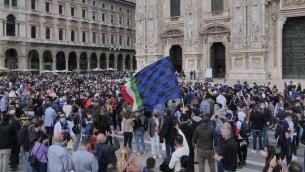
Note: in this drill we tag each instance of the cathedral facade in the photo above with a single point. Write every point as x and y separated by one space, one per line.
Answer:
235 39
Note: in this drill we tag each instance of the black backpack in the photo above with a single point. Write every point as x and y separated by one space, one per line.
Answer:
23 136
279 133
245 130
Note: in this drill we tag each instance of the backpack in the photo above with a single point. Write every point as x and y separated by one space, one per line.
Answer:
23 135
245 130
279 133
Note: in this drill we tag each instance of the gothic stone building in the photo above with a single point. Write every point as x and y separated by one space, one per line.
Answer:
67 34
237 39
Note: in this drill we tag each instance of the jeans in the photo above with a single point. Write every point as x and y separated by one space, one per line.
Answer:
128 139
4 159
203 155
258 133
265 137
76 145
242 150
219 167
139 136
169 149
155 144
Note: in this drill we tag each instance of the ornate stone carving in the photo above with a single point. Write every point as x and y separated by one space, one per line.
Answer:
172 33
293 2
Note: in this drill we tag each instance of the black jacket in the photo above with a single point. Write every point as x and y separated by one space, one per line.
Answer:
8 136
229 159
168 132
108 151
257 120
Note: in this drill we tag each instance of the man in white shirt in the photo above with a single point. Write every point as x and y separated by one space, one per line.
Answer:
182 149
221 99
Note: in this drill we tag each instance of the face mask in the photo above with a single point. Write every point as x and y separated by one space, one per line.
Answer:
62 120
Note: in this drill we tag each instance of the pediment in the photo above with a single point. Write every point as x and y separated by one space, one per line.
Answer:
216 29
172 33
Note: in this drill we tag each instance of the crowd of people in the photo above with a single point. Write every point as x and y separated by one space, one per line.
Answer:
71 122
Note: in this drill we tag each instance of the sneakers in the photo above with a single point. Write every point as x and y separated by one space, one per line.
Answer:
253 151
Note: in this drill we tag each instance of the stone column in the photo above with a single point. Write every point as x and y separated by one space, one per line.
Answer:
115 61
54 63
279 42
18 29
78 62
4 28
98 62
67 62
88 62
123 63
41 63
107 61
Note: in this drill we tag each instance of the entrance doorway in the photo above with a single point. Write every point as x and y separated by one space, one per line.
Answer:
11 60
218 60
175 54
294 48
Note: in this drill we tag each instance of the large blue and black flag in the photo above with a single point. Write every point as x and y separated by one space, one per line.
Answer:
157 83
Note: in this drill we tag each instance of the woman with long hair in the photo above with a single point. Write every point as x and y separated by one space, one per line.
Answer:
128 130
126 158
140 126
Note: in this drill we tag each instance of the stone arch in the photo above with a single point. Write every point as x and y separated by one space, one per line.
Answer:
47 60
72 61
120 62
11 58
111 61
127 62
60 61
103 61
93 61
83 61
33 58
11 25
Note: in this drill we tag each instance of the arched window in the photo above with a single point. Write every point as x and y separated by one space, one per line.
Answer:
33 32
7 2
14 3
10 25
60 34
72 36
48 33
217 5
175 8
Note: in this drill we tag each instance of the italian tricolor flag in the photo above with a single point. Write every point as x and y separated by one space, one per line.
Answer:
131 94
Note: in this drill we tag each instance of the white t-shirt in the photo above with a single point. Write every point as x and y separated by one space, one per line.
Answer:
67 109
184 150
